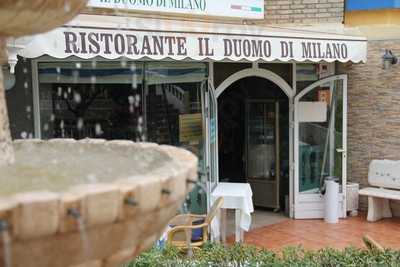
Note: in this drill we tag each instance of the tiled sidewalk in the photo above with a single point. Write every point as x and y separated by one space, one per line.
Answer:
316 234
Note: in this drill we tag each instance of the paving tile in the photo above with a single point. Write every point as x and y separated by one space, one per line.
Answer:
316 234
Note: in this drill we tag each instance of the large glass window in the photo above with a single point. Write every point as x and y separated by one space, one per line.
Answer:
91 99
155 101
306 74
158 102
174 112
173 103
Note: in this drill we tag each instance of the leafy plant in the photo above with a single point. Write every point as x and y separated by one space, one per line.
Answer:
213 255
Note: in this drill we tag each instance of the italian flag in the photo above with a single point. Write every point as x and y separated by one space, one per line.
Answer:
246 8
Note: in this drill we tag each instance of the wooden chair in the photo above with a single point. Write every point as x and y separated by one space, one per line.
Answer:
183 226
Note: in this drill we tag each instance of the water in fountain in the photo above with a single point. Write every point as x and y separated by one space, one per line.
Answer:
87 249
6 248
46 171
6 242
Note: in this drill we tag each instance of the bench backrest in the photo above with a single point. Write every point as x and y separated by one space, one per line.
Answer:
384 173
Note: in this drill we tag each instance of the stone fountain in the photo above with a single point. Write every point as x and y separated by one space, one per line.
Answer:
87 203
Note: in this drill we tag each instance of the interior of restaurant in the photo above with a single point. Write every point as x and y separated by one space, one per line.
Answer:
253 120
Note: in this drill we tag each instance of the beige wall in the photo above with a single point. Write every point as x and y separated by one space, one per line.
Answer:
374 112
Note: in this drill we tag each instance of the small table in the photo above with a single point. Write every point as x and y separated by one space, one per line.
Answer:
237 196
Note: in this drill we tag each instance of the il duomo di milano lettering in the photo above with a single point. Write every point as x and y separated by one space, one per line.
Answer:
103 43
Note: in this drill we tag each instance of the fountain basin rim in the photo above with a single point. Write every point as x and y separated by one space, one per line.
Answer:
149 193
183 158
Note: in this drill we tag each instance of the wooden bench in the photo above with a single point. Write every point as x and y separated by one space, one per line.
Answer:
384 178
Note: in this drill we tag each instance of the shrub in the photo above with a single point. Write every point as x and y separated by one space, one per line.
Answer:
248 256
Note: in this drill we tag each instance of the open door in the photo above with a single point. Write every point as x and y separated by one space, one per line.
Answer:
211 137
319 144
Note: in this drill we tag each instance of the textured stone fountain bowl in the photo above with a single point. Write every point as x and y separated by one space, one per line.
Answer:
124 192
88 203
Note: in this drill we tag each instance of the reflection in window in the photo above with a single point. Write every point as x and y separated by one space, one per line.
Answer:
320 141
173 103
106 100
156 102
306 74
174 112
101 100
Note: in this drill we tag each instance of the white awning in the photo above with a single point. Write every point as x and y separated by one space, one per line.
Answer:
112 37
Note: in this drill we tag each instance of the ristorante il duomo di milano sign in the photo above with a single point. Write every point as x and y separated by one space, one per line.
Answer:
245 9
137 44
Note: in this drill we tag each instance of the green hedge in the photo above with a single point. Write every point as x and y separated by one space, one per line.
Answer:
242 256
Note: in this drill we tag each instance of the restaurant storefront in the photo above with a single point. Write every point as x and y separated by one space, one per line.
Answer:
258 105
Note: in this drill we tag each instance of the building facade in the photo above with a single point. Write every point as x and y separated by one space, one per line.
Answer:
262 100
373 91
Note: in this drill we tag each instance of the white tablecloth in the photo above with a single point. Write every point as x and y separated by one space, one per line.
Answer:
236 196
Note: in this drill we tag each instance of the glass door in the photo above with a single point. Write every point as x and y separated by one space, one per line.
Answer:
320 144
211 137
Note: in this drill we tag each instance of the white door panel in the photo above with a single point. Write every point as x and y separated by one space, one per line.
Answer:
315 209
211 141
320 144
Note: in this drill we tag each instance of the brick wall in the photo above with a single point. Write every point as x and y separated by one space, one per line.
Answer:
304 11
374 113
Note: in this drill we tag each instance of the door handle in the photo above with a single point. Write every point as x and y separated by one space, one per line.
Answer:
340 150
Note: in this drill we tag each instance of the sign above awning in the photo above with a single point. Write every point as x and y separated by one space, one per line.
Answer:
244 9
92 36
